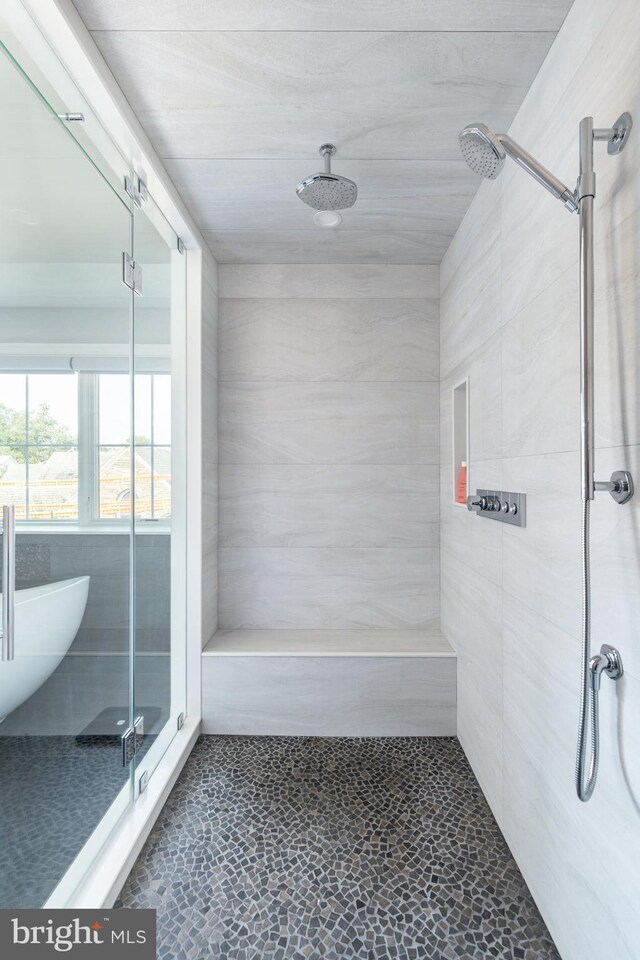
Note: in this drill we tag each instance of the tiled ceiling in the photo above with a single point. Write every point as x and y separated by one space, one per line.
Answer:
237 96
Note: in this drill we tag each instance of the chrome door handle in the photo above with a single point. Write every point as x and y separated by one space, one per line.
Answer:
8 582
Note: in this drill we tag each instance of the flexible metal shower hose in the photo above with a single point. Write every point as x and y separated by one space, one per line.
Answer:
589 693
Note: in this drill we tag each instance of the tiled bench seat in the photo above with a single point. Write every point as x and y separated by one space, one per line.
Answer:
329 683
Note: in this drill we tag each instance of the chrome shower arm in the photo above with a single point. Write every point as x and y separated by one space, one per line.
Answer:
540 173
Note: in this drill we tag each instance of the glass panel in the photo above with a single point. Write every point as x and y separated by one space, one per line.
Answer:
159 683
65 698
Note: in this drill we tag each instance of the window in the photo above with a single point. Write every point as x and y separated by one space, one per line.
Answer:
65 446
39 445
152 446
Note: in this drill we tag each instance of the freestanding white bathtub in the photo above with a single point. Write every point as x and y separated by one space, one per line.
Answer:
47 619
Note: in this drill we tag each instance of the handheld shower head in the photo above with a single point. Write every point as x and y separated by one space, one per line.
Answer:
482 151
485 152
326 190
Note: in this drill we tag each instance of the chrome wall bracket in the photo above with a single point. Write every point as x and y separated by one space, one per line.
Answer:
132 274
500 505
620 486
621 131
132 740
607 661
136 187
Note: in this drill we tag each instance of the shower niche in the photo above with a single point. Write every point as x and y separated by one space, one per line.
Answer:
460 486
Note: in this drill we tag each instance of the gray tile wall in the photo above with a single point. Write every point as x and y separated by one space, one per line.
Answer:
511 597
95 673
328 446
42 558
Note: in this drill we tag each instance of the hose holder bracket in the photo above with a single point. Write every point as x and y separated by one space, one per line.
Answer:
620 486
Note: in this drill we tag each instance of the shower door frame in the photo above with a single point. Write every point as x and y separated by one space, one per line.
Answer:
102 865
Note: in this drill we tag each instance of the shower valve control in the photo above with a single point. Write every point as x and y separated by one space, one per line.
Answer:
499 505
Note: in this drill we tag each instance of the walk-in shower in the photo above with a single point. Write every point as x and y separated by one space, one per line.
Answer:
485 152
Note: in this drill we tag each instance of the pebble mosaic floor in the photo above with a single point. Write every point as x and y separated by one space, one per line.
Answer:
297 848
53 792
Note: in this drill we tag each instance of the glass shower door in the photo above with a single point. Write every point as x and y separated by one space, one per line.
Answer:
159 459
66 483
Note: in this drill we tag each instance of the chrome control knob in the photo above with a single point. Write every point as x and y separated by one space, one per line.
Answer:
481 503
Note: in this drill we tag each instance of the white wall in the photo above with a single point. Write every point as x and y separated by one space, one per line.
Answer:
328 446
209 446
511 597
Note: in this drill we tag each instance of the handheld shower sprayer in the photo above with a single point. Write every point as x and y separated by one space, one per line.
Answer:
485 152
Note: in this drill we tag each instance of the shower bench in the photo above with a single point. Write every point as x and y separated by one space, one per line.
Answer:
329 683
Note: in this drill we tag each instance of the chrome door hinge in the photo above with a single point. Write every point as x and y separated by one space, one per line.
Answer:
136 187
132 740
180 245
180 721
132 274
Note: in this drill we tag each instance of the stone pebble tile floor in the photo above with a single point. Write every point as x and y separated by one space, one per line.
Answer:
297 848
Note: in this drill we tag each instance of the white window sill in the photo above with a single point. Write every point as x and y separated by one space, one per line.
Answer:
41 529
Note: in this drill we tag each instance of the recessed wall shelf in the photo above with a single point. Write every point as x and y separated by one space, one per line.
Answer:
460 479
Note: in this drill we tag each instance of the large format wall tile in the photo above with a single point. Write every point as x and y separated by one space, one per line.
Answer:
352 245
195 97
615 557
322 280
340 588
329 423
209 404
539 236
310 15
365 339
542 561
472 621
440 190
330 696
483 367
540 373
329 445
591 70
467 538
617 336
470 295
274 505
540 733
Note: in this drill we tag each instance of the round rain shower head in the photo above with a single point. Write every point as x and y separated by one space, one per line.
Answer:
482 151
326 190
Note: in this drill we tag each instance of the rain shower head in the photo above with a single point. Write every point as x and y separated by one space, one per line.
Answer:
326 190
485 152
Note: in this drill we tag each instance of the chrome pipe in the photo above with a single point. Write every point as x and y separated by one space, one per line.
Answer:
8 582
586 193
620 486
540 173
585 780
